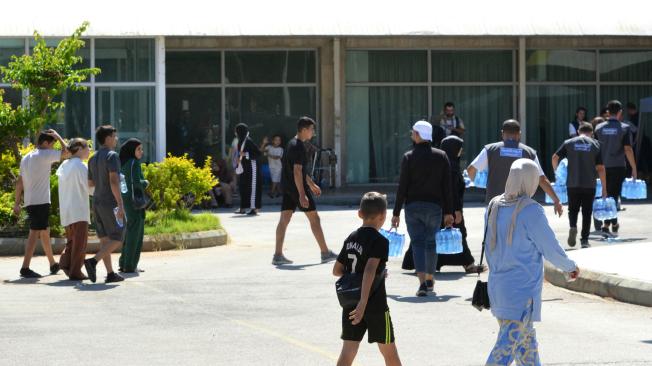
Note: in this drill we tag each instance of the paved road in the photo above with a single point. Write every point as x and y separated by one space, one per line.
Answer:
229 306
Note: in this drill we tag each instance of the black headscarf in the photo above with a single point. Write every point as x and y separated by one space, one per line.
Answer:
128 150
452 146
241 131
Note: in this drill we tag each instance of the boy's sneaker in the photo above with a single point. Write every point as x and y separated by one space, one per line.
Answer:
28 273
328 256
423 290
279 260
91 269
585 243
606 233
54 269
113 277
430 285
572 237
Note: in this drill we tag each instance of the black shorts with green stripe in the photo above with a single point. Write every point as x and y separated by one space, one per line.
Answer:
379 325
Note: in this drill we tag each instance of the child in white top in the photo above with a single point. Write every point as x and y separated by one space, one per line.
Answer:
274 153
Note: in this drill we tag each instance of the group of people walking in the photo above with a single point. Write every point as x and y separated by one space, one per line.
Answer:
111 178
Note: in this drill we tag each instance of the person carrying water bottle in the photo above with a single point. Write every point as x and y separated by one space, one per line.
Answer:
616 145
452 146
425 187
584 160
498 157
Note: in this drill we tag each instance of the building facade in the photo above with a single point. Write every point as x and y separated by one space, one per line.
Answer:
185 94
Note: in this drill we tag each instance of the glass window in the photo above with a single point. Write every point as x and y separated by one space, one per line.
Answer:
12 96
269 111
194 67
464 66
193 122
75 119
386 66
624 93
84 52
131 111
549 111
270 67
626 65
10 47
124 59
560 65
378 124
483 110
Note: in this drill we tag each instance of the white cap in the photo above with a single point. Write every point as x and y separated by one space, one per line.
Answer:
424 129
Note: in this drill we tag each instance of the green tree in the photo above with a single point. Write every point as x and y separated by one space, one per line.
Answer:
45 74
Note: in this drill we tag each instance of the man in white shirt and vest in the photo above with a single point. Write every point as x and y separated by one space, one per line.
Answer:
497 159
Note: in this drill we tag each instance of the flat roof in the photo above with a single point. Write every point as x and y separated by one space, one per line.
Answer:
234 18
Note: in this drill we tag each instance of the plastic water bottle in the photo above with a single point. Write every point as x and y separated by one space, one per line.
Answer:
396 242
449 241
480 180
123 183
118 220
598 188
642 190
561 174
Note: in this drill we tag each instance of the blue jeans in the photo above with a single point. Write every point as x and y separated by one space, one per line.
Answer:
423 219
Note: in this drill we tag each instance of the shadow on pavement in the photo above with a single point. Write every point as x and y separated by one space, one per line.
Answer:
297 267
449 276
22 281
64 283
647 341
129 274
94 287
425 299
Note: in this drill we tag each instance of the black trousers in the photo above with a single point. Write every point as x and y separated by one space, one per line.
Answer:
251 185
581 198
615 179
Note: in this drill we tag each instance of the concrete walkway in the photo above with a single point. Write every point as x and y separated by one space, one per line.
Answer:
622 272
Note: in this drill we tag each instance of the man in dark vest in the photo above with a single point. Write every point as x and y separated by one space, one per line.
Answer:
616 145
584 160
497 159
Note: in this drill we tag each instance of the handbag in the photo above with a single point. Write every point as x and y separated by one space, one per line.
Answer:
142 200
349 288
480 298
239 169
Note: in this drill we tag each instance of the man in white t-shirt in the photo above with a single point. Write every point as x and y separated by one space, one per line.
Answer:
74 206
34 182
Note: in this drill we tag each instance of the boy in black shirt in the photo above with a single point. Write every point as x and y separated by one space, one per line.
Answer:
365 251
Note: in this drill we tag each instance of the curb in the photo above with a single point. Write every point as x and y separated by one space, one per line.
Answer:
627 290
202 239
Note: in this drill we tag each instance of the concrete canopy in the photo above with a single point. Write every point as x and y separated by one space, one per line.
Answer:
234 18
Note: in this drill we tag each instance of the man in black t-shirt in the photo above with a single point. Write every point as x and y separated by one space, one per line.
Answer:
298 189
584 159
365 252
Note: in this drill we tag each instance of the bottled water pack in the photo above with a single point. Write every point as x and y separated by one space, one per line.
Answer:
396 242
449 241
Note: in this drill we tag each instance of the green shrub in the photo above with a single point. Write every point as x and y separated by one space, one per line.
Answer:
176 183
179 221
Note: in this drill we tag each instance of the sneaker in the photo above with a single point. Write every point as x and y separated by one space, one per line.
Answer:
423 290
430 285
328 256
615 228
606 233
279 260
113 277
585 243
252 212
28 273
54 269
572 237
91 268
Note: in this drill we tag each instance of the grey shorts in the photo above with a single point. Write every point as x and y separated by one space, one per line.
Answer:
106 225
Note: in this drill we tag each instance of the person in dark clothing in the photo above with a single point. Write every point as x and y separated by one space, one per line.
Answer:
250 180
452 146
584 159
425 188
574 125
616 146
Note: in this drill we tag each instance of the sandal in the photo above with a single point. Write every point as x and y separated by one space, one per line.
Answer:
473 268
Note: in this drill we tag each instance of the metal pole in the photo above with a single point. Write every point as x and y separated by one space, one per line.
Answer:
522 89
160 140
337 115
